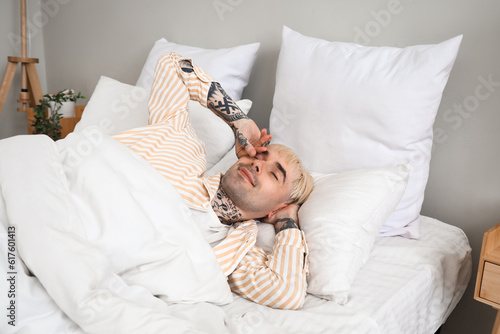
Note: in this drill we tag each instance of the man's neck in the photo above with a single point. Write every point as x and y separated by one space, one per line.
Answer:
225 209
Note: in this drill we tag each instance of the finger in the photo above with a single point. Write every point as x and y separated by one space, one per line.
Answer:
241 152
247 150
263 135
250 150
262 148
259 145
267 140
266 221
264 140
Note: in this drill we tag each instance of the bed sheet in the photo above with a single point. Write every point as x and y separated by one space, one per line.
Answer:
408 286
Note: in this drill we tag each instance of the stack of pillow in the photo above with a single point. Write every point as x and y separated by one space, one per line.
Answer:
359 117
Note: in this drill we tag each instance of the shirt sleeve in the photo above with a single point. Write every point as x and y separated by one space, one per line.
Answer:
173 87
237 244
277 280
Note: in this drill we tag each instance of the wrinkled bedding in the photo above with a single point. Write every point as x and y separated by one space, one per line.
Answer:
407 286
115 250
105 233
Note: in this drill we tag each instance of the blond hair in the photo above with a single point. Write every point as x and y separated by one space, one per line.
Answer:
303 186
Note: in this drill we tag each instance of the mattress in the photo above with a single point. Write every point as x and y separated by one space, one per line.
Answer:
407 286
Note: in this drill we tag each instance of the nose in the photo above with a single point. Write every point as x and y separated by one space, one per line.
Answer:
257 165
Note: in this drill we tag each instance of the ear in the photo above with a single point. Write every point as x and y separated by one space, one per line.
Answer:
276 209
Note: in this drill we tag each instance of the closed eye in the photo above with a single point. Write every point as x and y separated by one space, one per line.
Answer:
275 176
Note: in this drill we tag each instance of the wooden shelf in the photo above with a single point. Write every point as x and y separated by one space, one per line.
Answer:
68 124
487 289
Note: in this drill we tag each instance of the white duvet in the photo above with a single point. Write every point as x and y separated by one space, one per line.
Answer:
104 233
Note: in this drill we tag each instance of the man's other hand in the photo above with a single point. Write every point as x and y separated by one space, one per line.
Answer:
284 218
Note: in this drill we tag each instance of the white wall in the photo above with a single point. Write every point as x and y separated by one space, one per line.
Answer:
13 122
86 39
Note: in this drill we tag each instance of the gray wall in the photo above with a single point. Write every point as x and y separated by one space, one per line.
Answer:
86 39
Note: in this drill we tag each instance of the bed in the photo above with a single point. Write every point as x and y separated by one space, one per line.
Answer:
77 262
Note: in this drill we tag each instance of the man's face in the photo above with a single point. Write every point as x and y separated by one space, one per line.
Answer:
259 185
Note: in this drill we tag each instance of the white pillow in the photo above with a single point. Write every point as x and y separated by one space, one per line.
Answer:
224 164
341 219
362 107
230 66
115 107
213 131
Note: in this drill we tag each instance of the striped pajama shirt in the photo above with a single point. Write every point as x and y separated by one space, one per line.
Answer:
170 144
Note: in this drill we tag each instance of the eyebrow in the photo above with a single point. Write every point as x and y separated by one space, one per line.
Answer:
278 165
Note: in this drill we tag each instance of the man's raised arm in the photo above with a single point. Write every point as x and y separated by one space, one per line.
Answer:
249 140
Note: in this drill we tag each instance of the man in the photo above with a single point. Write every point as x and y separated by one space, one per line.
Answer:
267 183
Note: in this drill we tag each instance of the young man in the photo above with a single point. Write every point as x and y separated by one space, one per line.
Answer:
267 183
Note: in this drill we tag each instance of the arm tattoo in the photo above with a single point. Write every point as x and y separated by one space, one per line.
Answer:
286 223
186 66
222 105
241 138
226 210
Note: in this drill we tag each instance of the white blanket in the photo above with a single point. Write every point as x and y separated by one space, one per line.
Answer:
105 233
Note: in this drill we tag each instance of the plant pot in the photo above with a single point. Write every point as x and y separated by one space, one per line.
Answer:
67 109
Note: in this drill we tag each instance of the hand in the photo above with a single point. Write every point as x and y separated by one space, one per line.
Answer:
249 139
286 217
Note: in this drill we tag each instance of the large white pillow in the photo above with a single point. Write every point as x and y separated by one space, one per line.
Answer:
230 66
341 219
229 159
116 107
343 106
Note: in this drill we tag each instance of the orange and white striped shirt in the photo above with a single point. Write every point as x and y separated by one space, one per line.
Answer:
170 144
277 280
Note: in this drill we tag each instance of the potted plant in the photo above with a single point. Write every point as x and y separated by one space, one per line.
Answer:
63 102
45 123
48 112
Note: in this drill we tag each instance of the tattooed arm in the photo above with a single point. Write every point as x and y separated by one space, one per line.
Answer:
248 138
284 223
223 105
277 279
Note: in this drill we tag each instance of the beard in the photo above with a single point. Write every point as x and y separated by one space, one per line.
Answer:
234 188
245 197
